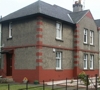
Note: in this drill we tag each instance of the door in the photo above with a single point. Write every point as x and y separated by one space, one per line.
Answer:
9 64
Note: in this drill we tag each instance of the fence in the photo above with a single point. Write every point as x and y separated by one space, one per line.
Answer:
53 85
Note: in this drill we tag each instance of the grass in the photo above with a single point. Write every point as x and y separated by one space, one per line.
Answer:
17 87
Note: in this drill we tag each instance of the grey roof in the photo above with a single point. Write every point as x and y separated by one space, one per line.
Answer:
43 8
97 22
29 10
76 16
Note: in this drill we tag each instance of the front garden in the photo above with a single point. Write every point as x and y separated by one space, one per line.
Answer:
20 87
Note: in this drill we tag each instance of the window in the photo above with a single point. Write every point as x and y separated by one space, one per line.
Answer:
85 35
10 30
58 30
91 61
91 37
58 60
85 61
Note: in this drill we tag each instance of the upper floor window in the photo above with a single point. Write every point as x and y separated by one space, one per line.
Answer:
85 35
91 61
58 60
91 37
59 30
10 30
85 61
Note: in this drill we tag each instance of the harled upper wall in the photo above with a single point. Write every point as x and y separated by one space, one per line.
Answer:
23 33
49 34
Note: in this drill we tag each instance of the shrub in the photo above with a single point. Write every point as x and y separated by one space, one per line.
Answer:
82 76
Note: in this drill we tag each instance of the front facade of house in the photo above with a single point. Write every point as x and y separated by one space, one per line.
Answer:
41 48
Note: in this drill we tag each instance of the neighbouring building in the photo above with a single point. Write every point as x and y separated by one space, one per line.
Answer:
45 42
0 38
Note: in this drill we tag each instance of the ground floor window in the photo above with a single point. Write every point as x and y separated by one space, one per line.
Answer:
85 61
58 60
91 61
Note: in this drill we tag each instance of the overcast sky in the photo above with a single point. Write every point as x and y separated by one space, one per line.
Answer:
9 6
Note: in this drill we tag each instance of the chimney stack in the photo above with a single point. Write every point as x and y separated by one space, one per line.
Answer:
77 6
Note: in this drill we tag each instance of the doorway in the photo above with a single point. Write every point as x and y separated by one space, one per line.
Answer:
9 64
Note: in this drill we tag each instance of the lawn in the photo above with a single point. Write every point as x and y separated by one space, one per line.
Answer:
18 87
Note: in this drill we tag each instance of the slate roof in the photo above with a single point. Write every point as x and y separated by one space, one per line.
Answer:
43 8
28 10
97 22
47 9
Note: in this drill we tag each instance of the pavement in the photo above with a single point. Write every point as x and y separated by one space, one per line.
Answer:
73 83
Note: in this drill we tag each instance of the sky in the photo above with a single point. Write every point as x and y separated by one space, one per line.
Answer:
9 6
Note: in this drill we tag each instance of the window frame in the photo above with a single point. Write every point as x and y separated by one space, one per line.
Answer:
59 30
85 60
91 60
58 57
91 37
85 35
10 30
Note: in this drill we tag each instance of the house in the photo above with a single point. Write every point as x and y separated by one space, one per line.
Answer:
45 42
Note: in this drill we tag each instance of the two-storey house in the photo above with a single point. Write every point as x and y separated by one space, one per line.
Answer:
45 42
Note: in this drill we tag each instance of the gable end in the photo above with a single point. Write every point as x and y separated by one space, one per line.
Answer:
89 15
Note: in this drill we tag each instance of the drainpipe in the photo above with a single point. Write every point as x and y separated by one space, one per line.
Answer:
99 50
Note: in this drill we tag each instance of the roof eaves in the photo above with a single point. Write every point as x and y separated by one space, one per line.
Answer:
17 18
82 17
97 20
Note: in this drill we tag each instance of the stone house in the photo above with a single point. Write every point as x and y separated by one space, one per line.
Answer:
45 42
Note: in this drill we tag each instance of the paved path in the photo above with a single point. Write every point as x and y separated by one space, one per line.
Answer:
73 85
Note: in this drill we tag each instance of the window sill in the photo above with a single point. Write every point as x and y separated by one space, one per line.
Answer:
59 40
9 38
89 44
91 69
85 69
58 69
92 45
85 43
88 69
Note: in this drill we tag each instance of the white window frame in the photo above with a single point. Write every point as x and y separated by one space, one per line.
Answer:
58 60
85 35
10 30
91 61
59 30
85 61
91 37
